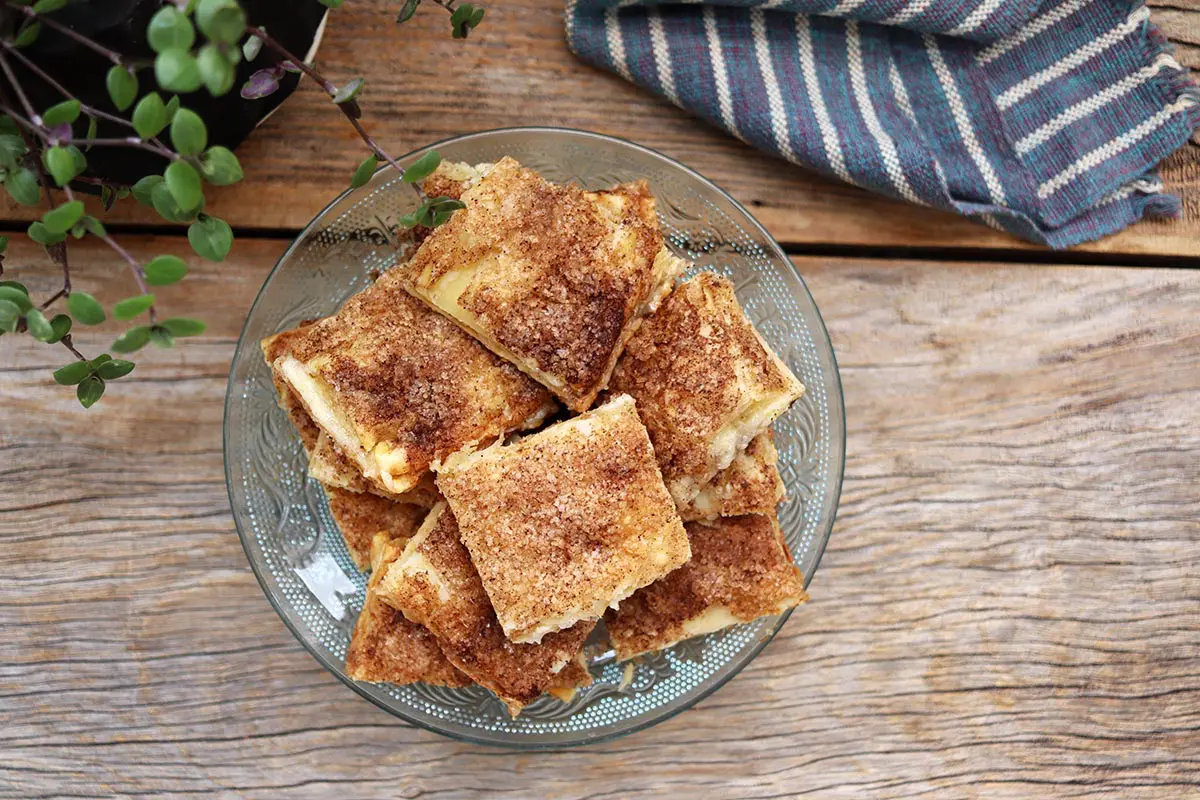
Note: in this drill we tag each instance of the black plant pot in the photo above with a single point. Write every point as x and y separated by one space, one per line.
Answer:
121 26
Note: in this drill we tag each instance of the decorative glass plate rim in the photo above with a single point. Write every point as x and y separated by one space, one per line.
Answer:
838 474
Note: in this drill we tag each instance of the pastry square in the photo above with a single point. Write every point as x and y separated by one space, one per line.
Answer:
398 387
362 516
387 648
567 521
434 583
740 570
553 278
705 382
326 463
750 485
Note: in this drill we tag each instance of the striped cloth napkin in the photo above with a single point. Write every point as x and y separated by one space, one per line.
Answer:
1046 120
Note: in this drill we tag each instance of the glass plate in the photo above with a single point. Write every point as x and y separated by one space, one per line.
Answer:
282 516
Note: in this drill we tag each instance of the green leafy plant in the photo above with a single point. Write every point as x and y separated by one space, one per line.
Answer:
197 45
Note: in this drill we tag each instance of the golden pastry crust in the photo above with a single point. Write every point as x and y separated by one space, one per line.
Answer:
573 677
705 382
740 570
750 485
567 521
435 584
452 178
398 387
551 277
363 516
387 648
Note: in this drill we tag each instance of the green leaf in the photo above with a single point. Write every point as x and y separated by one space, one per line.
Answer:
422 168
348 92
130 307
78 157
16 285
72 373
90 390
252 47
11 150
183 326
221 20
8 126
164 203
46 6
176 70
3 248
94 226
414 218
93 128
220 166
215 70
43 235
14 295
188 133
170 28
61 324
364 172
38 326
9 314
210 237
23 187
85 308
61 164
407 10
100 359
464 18
122 85
61 219
28 35
132 340
165 270
184 183
114 368
332 3
142 189
57 114
161 337
149 116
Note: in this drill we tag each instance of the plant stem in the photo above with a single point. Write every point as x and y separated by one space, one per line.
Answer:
67 343
88 179
12 79
330 90
134 267
91 111
96 47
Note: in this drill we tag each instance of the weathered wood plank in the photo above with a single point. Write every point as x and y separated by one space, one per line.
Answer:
516 70
1008 608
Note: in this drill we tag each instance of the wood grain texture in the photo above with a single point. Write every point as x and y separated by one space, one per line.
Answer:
423 86
1009 607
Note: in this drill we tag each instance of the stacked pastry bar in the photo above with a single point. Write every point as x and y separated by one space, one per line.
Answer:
496 542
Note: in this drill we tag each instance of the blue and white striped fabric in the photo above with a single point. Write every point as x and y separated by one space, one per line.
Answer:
1045 119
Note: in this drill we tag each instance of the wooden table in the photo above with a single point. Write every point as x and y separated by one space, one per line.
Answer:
1009 607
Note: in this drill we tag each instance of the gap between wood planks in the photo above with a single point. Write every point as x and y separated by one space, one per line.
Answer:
941 254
